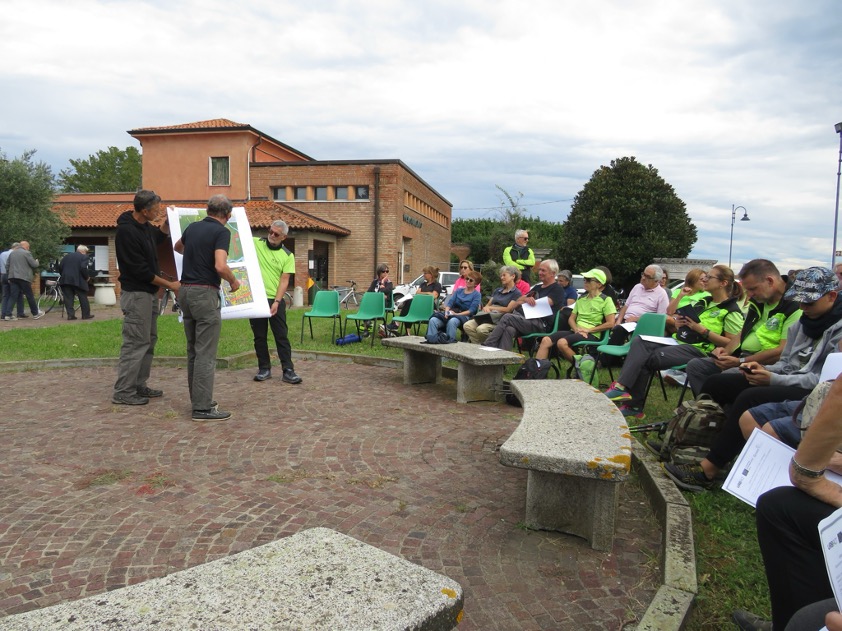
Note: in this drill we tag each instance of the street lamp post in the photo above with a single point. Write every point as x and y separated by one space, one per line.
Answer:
734 210
836 215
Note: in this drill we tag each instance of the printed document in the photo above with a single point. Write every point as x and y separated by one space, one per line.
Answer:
542 309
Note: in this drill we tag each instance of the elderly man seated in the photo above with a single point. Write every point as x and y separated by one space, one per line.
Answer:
514 324
646 297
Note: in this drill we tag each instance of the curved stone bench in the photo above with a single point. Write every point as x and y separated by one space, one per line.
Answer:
314 580
577 448
480 370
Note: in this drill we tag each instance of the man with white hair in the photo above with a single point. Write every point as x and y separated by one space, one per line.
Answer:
74 282
21 269
646 297
520 255
277 264
7 307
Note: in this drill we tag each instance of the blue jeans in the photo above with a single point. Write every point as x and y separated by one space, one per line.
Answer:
451 327
7 306
21 288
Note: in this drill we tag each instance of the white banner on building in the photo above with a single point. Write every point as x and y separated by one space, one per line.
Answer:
249 301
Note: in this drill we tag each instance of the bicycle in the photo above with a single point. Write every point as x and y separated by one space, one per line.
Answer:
53 296
168 297
348 295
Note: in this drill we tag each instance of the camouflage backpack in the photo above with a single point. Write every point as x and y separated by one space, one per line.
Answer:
691 432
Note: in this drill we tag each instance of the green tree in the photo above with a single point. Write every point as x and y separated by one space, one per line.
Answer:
113 170
26 199
625 216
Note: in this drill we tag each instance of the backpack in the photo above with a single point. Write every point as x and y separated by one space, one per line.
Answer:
691 432
530 369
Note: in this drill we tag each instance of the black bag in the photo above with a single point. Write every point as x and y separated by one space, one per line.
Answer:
530 369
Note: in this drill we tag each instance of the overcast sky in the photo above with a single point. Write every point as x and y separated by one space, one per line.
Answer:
733 102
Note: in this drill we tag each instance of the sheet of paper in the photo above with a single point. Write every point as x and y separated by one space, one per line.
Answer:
832 367
666 341
249 301
762 465
489 348
830 533
542 309
629 326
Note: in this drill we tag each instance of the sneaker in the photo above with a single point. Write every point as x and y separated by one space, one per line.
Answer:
263 374
616 394
392 326
10 318
88 317
40 314
632 412
214 414
23 316
674 377
748 621
689 477
290 376
149 393
129 399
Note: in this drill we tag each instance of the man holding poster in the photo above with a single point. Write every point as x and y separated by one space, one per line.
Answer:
204 246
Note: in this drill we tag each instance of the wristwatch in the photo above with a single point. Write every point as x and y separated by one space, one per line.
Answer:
742 360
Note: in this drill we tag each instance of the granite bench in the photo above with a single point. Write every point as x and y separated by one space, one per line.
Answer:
577 448
315 580
479 373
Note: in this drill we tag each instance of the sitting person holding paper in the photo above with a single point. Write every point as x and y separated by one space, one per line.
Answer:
431 286
788 519
592 313
691 291
459 307
646 297
502 301
706 325
547 293
810 340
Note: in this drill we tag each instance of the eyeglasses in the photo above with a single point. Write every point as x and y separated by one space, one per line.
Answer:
470 280
464 267
714 278
525 238
272 233
590 280
647 277
384 271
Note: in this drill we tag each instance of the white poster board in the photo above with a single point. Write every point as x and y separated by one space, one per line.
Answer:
249 301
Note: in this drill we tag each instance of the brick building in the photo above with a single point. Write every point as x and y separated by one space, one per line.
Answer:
345 216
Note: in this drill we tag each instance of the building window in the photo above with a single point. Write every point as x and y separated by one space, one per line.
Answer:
280 194
360 192
299 192
341 192
321 193
220 174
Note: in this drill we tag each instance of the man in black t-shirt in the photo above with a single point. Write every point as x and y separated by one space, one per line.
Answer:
204 245
515 324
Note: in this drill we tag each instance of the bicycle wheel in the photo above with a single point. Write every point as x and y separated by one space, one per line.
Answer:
48 299
162 308
357 298
288 300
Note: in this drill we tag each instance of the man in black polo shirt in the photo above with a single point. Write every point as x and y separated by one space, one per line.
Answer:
204 245
515 324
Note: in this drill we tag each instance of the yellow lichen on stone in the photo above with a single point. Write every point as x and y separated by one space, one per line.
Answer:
459 616
448 592
593 465
525 460
623 459
626 435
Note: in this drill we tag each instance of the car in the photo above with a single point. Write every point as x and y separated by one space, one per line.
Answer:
578 283
447 280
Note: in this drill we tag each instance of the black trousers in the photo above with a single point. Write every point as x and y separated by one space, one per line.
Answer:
280 331
736 395
70 292
787 531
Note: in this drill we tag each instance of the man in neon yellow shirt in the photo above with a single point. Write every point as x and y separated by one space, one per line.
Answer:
277 264
520 255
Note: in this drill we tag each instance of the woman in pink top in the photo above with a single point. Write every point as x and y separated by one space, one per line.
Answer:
464 267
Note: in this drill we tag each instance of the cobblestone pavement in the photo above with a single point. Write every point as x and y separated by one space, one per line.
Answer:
95 496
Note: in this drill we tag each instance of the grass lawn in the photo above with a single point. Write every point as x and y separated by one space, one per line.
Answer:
730 569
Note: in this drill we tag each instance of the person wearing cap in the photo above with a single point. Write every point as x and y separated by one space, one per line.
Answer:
593 313
74 282
520 255
769 316
816 334
648 296
515 324
718 321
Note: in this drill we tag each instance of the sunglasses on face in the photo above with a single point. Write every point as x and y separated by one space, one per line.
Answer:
272 233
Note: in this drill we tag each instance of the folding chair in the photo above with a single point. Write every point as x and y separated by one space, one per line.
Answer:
521 341
420 310
649 324
372 307
325 305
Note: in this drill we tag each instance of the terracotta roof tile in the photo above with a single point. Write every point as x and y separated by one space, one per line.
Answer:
214 123
261 214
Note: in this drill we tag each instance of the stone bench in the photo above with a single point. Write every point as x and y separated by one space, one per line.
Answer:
577 448
479 374
317 579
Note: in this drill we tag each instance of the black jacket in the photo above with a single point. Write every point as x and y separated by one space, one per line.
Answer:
74 270
137 253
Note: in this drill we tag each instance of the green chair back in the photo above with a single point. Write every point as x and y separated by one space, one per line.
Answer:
420 311
372 308
325 305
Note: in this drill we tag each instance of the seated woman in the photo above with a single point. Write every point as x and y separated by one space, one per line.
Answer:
430 287
381 283
522 286
719 320
459 307
592 313
691 291
503 300
464 267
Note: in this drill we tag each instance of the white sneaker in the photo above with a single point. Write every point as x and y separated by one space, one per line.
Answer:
11 318
40 314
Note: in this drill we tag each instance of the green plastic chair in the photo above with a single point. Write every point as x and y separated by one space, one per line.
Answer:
325 305
372 307
528 341
420 311
649 324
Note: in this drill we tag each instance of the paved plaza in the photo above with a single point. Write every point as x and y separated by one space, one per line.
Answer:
95 496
